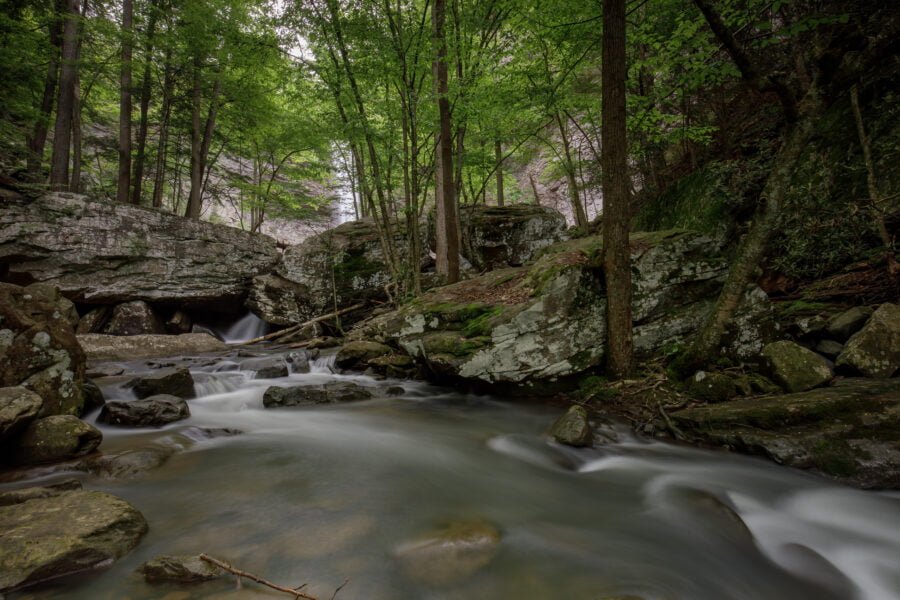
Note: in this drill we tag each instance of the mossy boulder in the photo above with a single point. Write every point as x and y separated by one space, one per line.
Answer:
796 368
573 428
18 407
712 387
355 354
55 438
875 350
179 569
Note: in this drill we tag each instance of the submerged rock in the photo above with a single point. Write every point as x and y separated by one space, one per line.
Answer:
573 428
55 438
61 532
306 395
875 350
179 569
449 555
18 407
113 347
795 368
153 411
172 382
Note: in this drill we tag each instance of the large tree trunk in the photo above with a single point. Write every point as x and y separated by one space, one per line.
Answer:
38 138
159 178
193 207
123 186
77 142
447 234
62 131
581 220
146 87
616 209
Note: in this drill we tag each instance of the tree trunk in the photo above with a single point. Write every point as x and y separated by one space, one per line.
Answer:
38 138
534 190
123 187
581 220
162 147
447 234
77 143
146 87
498 158
62 131
616 209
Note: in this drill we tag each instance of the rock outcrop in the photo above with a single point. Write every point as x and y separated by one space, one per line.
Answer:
508 236
112 253
113 347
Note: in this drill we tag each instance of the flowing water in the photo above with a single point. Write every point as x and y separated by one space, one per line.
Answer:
246 328
327 494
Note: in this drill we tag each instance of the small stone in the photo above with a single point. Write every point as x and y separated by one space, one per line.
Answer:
56 438
712 387
573 428
153 411
829 348
179 569
174 382
844 325
18 407
875 350
795 368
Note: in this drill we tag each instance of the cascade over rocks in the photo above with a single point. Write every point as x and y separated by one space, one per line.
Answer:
114 253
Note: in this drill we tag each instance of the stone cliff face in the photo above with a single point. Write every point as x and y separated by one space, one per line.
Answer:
104 253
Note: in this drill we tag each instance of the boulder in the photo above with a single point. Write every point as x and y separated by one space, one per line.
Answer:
267 367
64 532
178 569
154 411
712 387
55 438
304 395
18 407
133 318
795 368
38 349
829 348
450 554
49 295
114 347
173 382
113 253
842 326
354 354
573 428
508 236
875 350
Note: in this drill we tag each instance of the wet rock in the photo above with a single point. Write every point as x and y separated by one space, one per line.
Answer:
267 367
55 438
128 464
18 407
38 349
299 361
113 253
178 569
12 497
173 382
93 396
134 318
153 411
395 390
712 387
355 354
276 397
875 350
113 347
449 555
103 370
573 428
795 368
73 531
842 326
509 236
199 434
94 320
829 348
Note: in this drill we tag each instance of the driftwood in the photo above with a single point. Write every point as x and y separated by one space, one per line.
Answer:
295 328
295 592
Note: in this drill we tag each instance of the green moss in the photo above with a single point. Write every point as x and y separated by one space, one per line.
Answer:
595 388
483 324
835 457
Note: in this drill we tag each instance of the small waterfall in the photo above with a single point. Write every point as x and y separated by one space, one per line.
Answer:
246 328
323 364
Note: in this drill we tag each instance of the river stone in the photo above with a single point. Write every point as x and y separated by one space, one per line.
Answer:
875 350
306 395
508 236
449 555
829 348
38 349
173 382
178 569
65 533
114 347
795 368
842 326
712 387
153 411
18 407
113 253
267 367
55 438
573 428
353 354
299 361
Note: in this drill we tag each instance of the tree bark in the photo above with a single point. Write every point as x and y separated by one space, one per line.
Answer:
162 147
200 141
62 131
38 138
123 187
498 158
77 142
146 87
447 234
616 188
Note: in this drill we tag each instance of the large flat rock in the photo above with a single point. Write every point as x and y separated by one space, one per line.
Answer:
98 347
105 253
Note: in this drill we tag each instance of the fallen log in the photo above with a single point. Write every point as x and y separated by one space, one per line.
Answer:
295 328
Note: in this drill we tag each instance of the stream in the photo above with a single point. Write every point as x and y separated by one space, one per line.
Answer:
332 493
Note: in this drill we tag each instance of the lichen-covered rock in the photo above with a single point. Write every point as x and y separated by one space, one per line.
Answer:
45 294
307 395
18 407
55 438
153 411
134 318
842 326
450 554
712 387
353 354
174 382
795 368
114 253
875 350
508 236
38 349
179 569
64 532
116 347
573 428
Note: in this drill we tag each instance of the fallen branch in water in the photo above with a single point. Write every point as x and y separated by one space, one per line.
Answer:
295 328
295 592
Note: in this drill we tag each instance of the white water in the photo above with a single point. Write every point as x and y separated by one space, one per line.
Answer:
323 494
246 328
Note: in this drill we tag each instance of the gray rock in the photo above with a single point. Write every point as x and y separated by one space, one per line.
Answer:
61 534
129 464
276 397
356 354
829 348
113 347
795 368
93 396
55 438
178 569
134 318
279 301
712 387
508 236
154 411
94 320
875 350
174 382
267 367
114 253
49 295
573 428
449 555
18 407
299 361
842 326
